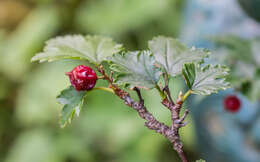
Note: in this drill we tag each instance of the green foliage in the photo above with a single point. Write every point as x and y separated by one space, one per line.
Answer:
172 54
26 145
140 69
20 45
73 102
242 56
94 49
237 47
189 74
136 69
200 160
119 16
205 80
33 87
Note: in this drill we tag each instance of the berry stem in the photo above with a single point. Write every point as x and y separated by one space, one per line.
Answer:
104 89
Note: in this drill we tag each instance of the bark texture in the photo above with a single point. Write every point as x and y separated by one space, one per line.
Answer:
170 132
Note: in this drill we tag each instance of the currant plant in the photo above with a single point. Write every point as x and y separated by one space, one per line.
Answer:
165 59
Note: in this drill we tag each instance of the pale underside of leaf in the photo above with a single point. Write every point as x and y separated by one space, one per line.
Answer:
172 54
206 80
73 102
136 69
94 49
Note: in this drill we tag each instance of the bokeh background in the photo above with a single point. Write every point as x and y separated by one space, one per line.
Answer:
107 130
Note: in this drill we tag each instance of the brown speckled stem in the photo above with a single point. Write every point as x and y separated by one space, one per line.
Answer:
172 132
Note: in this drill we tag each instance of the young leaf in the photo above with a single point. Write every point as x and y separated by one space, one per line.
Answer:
206 80
94 49
136 69
72 101
172 54
189 74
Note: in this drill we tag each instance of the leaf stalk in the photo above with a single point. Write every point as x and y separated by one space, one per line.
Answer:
104 89
186 95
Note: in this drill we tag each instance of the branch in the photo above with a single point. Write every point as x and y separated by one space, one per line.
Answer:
184 116
171 133
166 88
177 123
151 122
141 100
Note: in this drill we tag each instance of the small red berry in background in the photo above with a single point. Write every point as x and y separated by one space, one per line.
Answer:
82 78
232 103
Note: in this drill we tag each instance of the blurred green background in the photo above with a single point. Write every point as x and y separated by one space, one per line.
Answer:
107 130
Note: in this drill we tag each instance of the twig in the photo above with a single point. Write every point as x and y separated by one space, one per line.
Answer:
166 88
171 133
177 123
184 115
141 100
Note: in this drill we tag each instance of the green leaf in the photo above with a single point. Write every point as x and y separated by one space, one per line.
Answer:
172 54
189 74
73 101
206 80
94 49
136 69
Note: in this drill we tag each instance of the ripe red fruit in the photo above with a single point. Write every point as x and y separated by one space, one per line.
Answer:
232 103
82 78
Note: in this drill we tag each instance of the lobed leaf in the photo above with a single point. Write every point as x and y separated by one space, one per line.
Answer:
73 101
136 69
172 55
94 49
206 80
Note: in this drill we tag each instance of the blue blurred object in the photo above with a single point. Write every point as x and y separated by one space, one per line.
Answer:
204 18
224 136
221 135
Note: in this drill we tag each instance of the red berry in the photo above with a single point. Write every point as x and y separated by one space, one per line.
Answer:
232 103
82 78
